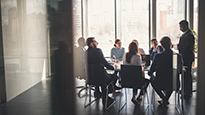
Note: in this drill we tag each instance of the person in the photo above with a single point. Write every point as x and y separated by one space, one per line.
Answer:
117 51
133 57
79 62
163 65
186 48
155 48
141 51
95 56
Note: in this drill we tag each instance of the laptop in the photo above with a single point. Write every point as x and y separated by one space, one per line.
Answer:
146 60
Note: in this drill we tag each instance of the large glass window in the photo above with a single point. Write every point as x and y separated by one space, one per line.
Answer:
101 23
169 14
77 20
133 22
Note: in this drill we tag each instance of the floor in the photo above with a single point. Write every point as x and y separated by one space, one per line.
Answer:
37 101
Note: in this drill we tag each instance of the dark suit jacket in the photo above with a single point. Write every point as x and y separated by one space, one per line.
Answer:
152 53
95 56
186 46
163 65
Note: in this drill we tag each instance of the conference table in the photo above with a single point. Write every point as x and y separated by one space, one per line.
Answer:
179 106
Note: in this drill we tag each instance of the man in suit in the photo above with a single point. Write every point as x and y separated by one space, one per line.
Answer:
95 56
163 65
155 48
186 48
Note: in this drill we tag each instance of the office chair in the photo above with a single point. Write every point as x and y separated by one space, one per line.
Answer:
131 77
97 77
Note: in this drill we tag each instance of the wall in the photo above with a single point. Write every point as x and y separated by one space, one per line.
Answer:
25 45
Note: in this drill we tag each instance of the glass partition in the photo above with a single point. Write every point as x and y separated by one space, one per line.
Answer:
25 44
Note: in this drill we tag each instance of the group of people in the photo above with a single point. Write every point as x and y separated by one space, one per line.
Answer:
162 61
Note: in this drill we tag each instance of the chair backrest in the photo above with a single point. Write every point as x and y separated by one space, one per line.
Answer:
146 58
96 74
131 76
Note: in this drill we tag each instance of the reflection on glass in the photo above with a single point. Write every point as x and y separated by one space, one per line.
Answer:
24 29
133 22
169 14
101 23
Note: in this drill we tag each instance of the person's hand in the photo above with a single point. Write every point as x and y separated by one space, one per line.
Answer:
115 66
117 61
143 65
111 63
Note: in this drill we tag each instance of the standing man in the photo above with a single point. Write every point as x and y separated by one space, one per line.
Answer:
155 48
186 48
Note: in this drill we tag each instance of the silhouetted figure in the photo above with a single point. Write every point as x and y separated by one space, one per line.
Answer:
186 48
63 91
163 65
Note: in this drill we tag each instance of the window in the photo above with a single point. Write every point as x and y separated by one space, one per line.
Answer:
101 23
133 22
169 14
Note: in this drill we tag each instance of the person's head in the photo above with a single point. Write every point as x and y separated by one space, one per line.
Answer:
134 40
81 42
183 25
166 42
91 42
133 50
118 43
154 42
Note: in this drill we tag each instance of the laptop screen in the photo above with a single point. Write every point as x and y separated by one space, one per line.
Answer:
146 59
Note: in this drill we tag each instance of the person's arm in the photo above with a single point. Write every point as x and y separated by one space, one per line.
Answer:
103 60
152 53
121 54
154 65
112 55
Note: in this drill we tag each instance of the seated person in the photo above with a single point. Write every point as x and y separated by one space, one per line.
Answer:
117 53
155 48
95 56
141 51
132 57
79 62
163 65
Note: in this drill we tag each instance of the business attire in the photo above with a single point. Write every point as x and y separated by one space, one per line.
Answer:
153 52
163 66
117 53
96 57
186 48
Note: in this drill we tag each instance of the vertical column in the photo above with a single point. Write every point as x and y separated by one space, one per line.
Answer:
190 13
154 18
115 12
2 67
201 62
62 88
